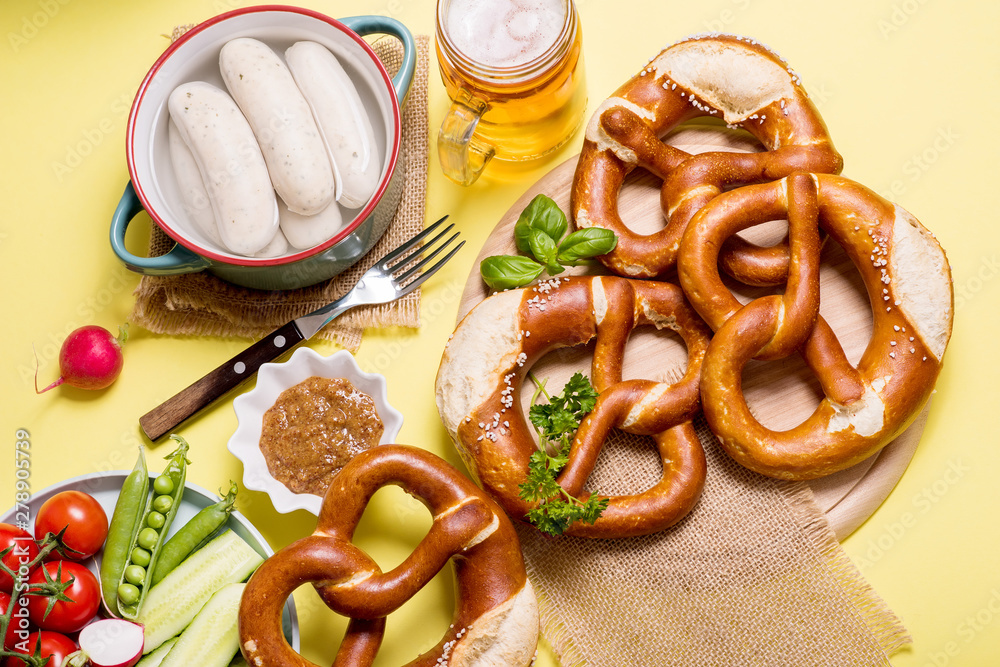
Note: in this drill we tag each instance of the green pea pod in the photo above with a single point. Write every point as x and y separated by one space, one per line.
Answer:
149 539
193 534
125 522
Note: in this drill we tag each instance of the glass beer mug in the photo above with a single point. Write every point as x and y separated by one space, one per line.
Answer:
514 72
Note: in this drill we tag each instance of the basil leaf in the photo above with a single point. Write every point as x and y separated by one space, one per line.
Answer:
541 214
502 272
586 243
544 249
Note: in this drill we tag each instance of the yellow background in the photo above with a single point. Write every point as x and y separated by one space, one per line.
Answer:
908 88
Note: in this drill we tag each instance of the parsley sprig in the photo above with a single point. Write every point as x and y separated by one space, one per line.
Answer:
556 423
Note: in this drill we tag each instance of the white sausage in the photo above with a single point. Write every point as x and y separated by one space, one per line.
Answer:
304 231
281 120
192 189
341 117
231 165
278 246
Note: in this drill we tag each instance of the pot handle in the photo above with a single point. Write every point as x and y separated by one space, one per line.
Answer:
178 260
373 24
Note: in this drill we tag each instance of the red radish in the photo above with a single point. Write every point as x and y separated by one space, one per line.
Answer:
108 642
90 358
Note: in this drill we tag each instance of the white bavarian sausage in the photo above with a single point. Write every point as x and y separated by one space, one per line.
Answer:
283 123
306 231
231 165
191 186
342 119
278 246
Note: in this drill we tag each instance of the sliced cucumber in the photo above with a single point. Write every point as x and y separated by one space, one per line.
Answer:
174 602
213 637
156 657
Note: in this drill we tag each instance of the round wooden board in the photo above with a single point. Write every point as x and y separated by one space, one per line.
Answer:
782 393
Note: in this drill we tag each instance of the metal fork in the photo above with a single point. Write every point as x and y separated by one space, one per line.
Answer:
393 276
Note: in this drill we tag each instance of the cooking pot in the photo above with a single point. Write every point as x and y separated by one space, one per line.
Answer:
194 56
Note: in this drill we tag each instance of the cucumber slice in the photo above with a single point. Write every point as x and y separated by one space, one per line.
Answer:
156 657
213 637
174 602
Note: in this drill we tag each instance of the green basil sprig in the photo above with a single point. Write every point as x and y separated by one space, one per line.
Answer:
509 271
539 232
585 243
540 215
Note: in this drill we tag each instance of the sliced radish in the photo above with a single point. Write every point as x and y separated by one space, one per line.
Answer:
108 642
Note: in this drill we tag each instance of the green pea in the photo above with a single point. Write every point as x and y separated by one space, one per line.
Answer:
155 520
162 504
147 538
163 485
140 556
135 574
128 593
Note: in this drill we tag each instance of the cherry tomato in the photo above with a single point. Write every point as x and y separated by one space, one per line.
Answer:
85 521
23 552
54 646
65 617
12 628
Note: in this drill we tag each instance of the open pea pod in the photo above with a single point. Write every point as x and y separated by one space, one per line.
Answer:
160 510
125 522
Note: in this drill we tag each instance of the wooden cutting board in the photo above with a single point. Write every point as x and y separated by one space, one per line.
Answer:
781 393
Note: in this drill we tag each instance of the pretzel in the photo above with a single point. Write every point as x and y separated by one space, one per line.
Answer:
479 392
908 281
720 76
496 615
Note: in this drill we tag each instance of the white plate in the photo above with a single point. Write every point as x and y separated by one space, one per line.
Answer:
106 486
274 378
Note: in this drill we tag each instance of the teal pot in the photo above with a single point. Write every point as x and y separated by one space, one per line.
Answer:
194 57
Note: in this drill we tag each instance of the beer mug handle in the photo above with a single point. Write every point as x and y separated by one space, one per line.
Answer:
463 156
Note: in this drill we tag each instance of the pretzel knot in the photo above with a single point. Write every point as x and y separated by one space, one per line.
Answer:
484 364
496 615
908 280
727 77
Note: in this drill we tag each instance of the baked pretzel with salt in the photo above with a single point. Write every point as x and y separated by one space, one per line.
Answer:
479 384
721 76
496 614
908 280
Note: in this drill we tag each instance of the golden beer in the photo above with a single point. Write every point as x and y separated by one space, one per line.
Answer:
514 72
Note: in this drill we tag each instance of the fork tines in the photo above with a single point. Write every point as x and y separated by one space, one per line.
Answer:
403 257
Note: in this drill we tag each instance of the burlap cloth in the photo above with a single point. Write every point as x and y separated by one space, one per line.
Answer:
753 576
201 304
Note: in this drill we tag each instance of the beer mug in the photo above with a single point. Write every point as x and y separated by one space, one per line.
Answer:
514 72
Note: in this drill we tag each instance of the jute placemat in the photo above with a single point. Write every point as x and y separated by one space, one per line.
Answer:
201 304
753 576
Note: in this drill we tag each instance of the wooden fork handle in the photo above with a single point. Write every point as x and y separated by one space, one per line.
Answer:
174 411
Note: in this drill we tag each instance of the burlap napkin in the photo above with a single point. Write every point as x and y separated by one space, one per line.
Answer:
753 576
201 304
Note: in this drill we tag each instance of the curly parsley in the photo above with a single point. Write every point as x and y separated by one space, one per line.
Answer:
556 423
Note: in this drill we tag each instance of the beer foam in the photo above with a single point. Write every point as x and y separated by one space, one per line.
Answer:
505 33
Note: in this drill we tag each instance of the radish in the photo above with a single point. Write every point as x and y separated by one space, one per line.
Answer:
90 358
108 642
